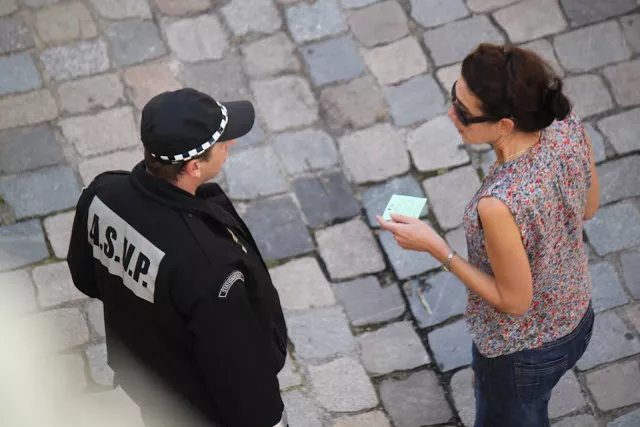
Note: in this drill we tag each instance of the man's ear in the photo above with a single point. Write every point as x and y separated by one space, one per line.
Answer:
192 168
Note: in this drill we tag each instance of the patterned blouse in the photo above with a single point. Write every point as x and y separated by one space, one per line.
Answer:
546 190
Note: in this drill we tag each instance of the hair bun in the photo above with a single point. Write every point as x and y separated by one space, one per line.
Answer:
556 102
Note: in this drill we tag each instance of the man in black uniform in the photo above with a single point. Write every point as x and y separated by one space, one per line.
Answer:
195 330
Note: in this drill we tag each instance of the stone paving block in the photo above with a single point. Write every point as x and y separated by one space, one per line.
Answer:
252 16
325 198
449 205
437 145
619 179
588 94
584 420
308 22
614 228
27 109
21 244
55 285
445 295
58 228
95 313
396 347
197 39
133 42
182 7
270 56
545 50
566 396
40 192
120 160
349 250
65 328
581 12
378 24
106 131
631 272
597 143
488 159
18 292
357 104
367 303
625 82
447 76
487 5
415 401
301 410
451 346
463 396
332 61
120 9
611 340
376 198
302 285
28 148
7 7
321 333
305 151
452 42
39 3
253 173
285 102
457 239
579 51
65 22
406 263
15 35
397 61
279 228
149 80
289 376
19 74
615 386
630 419
431 13
622 130
65 372
368 419
631 28
83 95
76 60
255 137
374 154
531 19
223 80
101 373
415 100
354 4
342 386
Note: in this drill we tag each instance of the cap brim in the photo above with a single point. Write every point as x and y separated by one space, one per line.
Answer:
242 116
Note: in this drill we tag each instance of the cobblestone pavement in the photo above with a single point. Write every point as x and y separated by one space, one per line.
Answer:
351 98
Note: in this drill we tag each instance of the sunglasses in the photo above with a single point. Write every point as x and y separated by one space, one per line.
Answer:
465 118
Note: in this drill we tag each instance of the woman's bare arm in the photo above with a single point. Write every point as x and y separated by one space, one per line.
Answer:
594 191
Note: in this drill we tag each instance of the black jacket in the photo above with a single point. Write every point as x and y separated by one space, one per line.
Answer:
189 305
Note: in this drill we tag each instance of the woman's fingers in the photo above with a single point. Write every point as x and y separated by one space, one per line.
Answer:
401 218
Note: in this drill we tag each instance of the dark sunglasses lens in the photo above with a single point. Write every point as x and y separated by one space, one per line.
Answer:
461 116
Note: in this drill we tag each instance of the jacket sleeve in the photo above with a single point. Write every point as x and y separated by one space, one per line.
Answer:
80 256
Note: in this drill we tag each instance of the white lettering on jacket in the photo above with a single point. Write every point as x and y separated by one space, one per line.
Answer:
228 283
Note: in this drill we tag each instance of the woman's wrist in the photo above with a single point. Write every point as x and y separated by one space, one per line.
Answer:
442 253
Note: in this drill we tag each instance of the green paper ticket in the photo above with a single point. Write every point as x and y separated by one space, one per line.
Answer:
404 205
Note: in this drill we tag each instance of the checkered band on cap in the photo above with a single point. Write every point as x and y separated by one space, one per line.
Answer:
178 158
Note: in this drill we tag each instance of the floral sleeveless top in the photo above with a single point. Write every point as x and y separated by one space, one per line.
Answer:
546 190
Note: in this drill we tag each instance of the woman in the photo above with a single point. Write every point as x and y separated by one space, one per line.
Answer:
528 308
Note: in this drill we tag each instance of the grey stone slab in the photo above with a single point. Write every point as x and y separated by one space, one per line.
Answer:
305 151
582 12
39 3
7 7
622 130
15 35
28 148
320 333
308 22
270 56
597 143
591 47
566 397
607 291
354 4
583 420
325 198
289 376
631 272
614 228
588 94
449 205
367 303
431 13
278 227
443 294
354 105
376 198
120 160
17 290
396 347
101 373
625 82
18 73
447 76
342 386
406 263
619 179
611 340
331 61
223 80
616 386
437 145
253 173
21 244
415 401
95 313
531 19
487 160
415 100
55 285
79 96
120 9
630 419
27 109
255 137
451 346
545 50
62 329
301 285
396 62
77 60
40 192
631 28
301 410
197 39
487 5
368 419
378 24
182 7
463 396
133 42
452 42
66 371
252 16
457 239
65 22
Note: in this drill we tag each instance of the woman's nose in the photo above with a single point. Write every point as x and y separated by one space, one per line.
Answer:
451 113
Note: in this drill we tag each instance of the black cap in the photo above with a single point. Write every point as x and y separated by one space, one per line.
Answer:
177 126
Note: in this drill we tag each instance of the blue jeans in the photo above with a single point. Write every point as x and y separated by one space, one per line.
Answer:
514 390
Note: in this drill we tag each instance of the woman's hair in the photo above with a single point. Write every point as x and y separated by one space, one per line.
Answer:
168 171
515 83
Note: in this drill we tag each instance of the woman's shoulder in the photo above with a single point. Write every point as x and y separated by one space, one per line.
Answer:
571 127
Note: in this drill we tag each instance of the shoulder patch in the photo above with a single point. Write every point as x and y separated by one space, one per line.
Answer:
229 282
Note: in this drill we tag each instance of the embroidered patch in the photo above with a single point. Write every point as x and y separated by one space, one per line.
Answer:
228 283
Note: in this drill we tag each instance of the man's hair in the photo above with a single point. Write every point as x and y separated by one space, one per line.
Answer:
169 171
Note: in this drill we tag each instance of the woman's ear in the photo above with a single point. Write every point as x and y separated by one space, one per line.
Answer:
506 126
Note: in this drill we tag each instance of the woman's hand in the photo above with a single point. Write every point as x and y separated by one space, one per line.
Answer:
414 235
